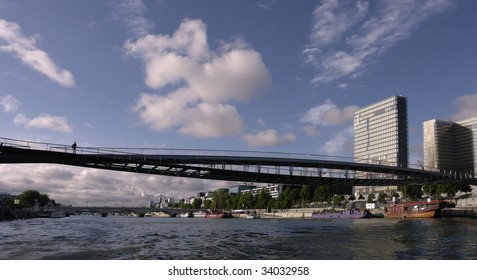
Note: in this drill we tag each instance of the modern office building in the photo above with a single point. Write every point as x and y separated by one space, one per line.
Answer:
451 146
381 137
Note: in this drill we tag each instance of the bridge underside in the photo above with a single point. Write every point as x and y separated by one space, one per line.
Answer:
232 168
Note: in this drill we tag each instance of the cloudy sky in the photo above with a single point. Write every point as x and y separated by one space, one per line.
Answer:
266 75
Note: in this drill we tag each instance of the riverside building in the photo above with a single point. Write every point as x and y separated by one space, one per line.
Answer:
451 146
381 137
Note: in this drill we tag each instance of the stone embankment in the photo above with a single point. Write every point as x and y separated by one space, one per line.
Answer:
459 212
9 214
299 213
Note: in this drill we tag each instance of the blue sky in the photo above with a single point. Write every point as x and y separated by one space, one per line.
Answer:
236 75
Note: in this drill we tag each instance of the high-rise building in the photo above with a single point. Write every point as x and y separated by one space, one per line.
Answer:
451 146
381 136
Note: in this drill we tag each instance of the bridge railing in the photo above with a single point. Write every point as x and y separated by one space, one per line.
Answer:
145 152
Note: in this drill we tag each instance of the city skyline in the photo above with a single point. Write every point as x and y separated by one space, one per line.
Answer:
232 75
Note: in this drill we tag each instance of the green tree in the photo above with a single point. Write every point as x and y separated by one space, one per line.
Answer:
371 198
322 193
197 203
263 200
289 197
207 204
28 198
337 201
246 201
306 194
382 197
220 198
412 192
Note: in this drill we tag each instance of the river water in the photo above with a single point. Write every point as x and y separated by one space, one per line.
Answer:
97 238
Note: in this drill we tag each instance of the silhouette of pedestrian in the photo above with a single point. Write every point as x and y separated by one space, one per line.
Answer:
74 147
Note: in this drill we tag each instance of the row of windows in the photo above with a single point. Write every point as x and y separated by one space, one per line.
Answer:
385 134
383 103
375 116
383 124
378 151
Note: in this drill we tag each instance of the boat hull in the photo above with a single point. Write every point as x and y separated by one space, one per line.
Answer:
419 209
215 216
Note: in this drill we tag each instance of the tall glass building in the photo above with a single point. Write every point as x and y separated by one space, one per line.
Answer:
451 146
381 136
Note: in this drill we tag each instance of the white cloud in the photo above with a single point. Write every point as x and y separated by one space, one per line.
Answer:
333 17
260 122
268 137
96 187
328 114
44 121
311 131
266 4
201 83
25 49
9 103
466 107
341 144
374 33
20 119
131 14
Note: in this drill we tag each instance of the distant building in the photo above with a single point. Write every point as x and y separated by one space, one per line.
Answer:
273 190
381 137
237 189
451 146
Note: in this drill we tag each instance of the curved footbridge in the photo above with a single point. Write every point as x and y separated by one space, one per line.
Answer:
229 165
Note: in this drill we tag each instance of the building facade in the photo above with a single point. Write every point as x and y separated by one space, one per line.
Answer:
381 137
451 146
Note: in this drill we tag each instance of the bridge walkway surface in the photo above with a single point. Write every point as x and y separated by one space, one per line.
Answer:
227 165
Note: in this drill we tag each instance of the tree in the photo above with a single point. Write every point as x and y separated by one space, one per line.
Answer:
371 198
28 198
220 198
289 197
412 192
207 204
322 193
246 201
197 203
263 200
306 194
382 197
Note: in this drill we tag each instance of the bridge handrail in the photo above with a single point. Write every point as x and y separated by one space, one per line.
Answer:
191 152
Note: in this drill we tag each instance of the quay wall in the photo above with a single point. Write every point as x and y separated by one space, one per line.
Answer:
459 212
9 214
299 213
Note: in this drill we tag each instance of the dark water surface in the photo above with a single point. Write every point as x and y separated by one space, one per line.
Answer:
96 238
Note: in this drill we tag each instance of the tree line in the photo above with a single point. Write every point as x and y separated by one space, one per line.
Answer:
320 196
28 199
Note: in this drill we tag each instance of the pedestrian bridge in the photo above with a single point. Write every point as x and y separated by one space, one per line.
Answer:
227 165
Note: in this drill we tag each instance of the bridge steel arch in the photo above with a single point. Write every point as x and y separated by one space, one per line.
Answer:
239 166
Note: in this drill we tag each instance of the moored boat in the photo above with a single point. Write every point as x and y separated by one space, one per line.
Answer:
416 209
186 215
200 214
50 214
215 214
343 214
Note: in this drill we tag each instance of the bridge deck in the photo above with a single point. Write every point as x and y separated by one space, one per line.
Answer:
242 166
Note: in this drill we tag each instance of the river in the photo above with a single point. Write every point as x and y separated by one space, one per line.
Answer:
131 238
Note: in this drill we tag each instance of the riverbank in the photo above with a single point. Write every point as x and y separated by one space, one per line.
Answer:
9 214
470 212
305 213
